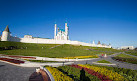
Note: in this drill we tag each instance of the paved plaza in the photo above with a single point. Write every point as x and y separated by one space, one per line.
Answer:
10 72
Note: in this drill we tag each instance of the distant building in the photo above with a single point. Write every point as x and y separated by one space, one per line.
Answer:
127 47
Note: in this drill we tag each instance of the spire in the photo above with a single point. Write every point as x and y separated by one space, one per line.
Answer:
99 42
66 20
7 28
55 22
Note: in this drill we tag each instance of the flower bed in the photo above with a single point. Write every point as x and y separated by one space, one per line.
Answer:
92 72
43 61
81 57
75 73
112 75
131 75
12 60
24 57
58 75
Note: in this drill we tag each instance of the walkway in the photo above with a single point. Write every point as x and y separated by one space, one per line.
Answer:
131 55
10 72
118 64
56 46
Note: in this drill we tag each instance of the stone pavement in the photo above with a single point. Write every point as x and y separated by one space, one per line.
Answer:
131 55
118 64
10 72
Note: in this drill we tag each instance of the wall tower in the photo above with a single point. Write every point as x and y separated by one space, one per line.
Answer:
6 34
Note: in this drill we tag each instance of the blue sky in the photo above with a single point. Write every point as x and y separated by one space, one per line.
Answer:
108 21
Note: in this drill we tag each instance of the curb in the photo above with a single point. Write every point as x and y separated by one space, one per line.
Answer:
102 63
50 75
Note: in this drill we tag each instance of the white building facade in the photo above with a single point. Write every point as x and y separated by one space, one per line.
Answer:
128 47
61 34
60 37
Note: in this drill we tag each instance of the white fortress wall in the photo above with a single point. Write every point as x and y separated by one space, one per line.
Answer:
52 41
47 41
16 39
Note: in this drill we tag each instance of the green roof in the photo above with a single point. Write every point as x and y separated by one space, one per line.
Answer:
62 30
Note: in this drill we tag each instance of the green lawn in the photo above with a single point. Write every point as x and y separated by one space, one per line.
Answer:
44 50
103 61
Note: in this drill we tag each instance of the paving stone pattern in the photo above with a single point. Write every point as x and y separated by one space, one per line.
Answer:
10 72
118 64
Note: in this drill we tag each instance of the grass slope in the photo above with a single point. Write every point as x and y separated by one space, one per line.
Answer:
44 50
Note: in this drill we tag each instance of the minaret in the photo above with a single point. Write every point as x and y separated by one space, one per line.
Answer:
93 42
6 34
66 30
55 31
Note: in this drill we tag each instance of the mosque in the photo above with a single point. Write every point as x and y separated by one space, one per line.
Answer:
61 36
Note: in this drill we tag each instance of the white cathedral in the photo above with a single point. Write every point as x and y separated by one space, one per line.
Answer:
60 37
